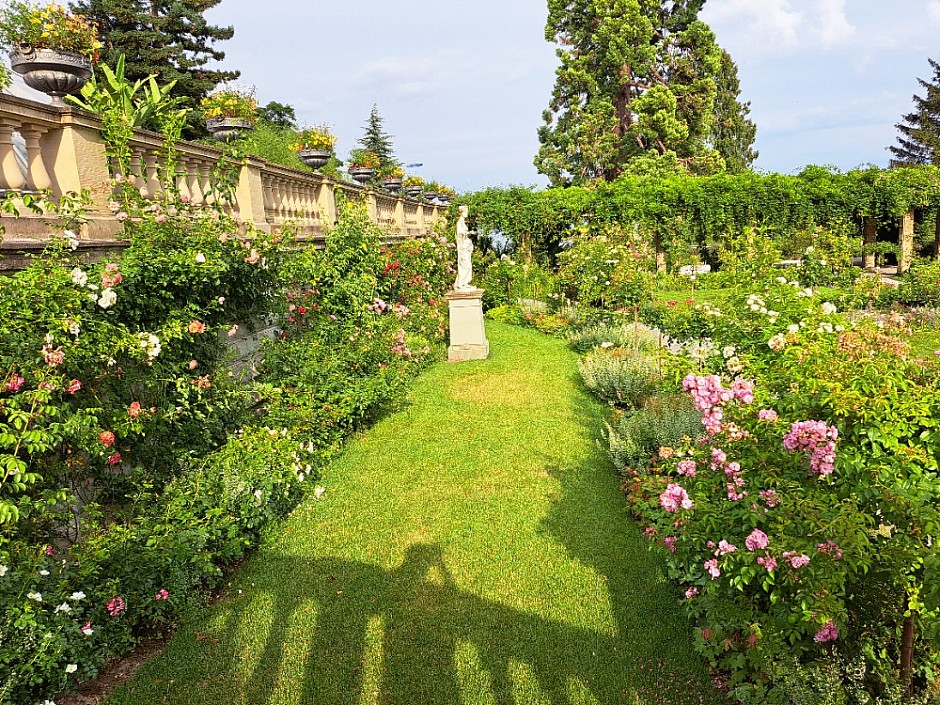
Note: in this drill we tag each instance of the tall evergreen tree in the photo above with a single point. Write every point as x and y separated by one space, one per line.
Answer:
170 39
919 141
637 78
732 134
376 140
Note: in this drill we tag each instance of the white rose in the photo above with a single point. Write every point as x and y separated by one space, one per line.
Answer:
78 596
79 277
200 258
108 298
71 668
828 308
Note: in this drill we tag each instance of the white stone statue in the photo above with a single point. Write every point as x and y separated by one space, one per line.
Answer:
464 253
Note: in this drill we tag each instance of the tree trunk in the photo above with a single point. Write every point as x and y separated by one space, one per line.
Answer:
907 656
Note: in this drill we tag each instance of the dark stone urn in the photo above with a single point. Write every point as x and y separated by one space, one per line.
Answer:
55 73
315 158
228 129
361 174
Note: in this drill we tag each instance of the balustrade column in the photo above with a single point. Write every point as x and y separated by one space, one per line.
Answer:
37 178
152 175
11 176
869 237
193 176
906 237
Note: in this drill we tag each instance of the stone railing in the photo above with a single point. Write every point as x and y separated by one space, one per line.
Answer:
44 148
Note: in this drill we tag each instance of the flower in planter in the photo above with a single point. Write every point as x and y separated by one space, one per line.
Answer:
363 159
230 103
318 137
391 171
26 25
413 181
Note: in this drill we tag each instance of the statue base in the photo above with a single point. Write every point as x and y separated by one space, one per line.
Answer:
467 332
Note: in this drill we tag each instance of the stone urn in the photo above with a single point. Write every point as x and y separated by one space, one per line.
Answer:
315 158
55 73
431 195
413 191
228 129
392 183
361 174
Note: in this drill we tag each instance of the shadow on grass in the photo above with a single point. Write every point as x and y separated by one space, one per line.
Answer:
436 643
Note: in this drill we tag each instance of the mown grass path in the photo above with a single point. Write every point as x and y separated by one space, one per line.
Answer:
472 548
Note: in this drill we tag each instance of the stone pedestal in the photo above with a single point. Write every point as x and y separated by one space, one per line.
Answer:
467 333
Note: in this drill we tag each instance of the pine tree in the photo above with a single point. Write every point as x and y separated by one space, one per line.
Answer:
377 141
637 78
732 134
919 141
170 39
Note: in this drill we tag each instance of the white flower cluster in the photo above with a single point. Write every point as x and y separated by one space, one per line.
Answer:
106 299
151 345
757 305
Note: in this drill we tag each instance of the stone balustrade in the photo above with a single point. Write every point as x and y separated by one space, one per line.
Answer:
60 150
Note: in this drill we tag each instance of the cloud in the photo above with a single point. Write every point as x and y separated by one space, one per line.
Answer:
933 10
771 25
834 27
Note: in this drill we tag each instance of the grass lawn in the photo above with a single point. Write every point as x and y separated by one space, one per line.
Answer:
471 548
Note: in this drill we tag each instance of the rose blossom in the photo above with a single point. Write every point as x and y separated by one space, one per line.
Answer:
116 606
197 327
14 383
691 592
106 438
829 632
711 565
756 540
675 497
134 410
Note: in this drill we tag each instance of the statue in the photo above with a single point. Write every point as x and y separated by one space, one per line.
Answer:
464 252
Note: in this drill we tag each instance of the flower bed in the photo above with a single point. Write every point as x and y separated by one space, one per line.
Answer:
137 466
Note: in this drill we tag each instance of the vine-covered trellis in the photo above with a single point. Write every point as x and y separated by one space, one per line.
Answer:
682 211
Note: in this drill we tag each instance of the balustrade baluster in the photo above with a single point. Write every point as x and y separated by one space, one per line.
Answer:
153 185
267 187
37 178
11 176
205 178
195 188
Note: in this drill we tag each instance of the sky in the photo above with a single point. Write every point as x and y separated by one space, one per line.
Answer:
461 84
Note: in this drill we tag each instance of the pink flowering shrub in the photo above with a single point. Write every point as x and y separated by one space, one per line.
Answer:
824 469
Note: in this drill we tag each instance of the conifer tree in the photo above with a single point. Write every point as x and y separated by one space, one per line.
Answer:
170 39
637 78
919 141
377 141
732 134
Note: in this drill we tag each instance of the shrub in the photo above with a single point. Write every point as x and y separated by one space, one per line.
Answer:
614 334
665 421
620 378
921 285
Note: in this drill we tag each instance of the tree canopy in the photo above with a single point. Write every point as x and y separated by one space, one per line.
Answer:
919 141
637 78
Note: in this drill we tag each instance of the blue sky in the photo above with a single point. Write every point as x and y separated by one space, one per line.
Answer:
462 84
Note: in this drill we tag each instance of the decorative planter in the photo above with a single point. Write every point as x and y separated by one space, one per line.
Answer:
431 195
413 191
228 129
392 184
315 158
361 174
55 73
